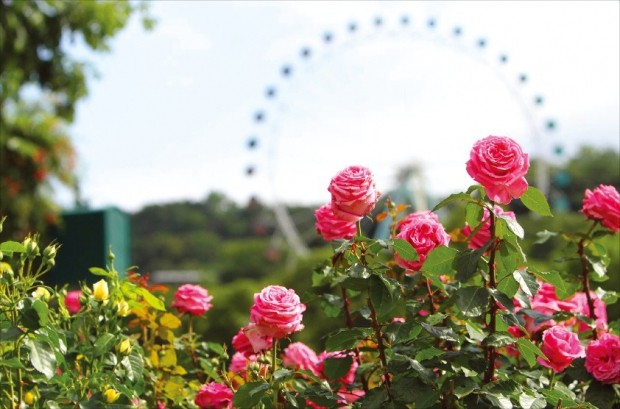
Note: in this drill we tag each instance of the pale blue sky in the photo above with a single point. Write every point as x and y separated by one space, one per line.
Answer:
170 116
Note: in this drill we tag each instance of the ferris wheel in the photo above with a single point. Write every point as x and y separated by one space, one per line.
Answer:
395 116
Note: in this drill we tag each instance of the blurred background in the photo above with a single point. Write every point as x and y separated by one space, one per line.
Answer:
198 137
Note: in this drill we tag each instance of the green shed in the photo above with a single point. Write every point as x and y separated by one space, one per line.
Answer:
86 236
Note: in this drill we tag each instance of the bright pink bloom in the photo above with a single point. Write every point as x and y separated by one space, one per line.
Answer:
258 340
354 194
603 358
277 312
580 306
424 232
483 235
347 379
561 347
72 301
192 299
603 204
214 395
161 405
331 227
239 363
300 356
499 164
241 342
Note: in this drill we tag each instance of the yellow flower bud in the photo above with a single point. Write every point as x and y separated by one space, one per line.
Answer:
111 395
41 293
100 290
123 308
29 398
125 346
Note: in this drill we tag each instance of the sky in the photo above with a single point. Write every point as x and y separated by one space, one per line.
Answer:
171 113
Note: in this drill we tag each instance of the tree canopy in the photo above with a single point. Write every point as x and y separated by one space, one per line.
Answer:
41 81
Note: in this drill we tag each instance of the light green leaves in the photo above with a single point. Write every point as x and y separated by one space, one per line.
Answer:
535 200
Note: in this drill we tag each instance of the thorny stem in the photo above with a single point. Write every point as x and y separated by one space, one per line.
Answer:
430 296
381 347
584 275
490 353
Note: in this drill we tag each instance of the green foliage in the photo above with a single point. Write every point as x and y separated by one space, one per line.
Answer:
41 83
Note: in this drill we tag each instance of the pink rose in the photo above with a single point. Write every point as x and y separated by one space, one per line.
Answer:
354 194
499 164
257 337
580 306
72 301
349 377
483 235
192 299
424 232
561 347
603 204
331 227
214 395
241 343
300 356
277 312
603 358
239 363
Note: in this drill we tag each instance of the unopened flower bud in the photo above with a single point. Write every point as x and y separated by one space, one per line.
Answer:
29 398
100 290
50 252
32 248
123 308
111 395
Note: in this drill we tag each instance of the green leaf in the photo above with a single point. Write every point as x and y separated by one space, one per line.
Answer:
503 299
466 263
513 226
531 402
527 282
12 247
473 214
543 236
472 301
554 396
499 339
562 290
428 353
529 351
600 395
134 365
535 200
42 357
498 400
250 394
14 363
10 334
441 332
452 198
439 260
337 367
404 249
475 331
151 299
104 343
100 272
346 338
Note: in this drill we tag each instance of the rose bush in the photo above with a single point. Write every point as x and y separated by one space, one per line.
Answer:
430 319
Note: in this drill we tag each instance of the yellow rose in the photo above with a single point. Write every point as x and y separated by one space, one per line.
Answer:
41 293
100 290
123 308
29 398
111 395
125 346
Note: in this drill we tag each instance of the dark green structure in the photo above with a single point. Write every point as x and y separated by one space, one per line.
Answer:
86 236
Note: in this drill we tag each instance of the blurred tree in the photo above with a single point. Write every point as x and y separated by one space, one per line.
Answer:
40 85
589 168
